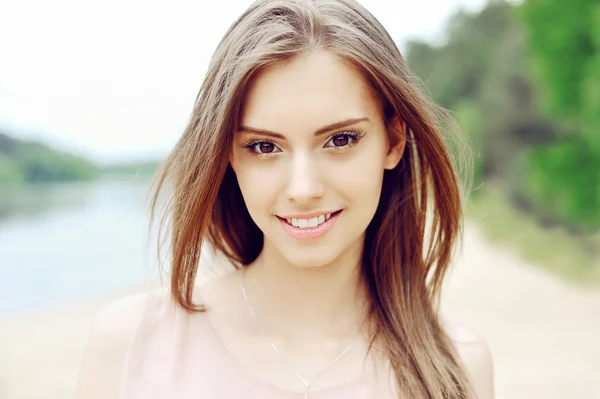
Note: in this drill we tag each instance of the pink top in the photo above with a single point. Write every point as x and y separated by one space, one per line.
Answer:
174 355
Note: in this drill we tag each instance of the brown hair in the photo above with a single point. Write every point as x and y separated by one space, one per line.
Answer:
408 244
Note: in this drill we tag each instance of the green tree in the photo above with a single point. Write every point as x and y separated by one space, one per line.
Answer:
498 72
480 73
23 161
564 39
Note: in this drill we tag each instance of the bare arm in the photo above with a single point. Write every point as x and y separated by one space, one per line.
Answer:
105 351
476 357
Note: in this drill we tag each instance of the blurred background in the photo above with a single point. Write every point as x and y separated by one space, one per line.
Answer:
93 95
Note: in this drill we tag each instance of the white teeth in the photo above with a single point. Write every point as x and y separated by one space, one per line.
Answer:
306 223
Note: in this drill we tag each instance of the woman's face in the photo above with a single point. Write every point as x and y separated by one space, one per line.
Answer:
309 158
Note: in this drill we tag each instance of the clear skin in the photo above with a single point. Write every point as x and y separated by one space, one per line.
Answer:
310 167
306 293
301 173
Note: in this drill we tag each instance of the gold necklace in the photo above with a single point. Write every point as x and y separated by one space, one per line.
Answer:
300 377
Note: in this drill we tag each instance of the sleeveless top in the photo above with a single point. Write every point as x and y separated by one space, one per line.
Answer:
175 355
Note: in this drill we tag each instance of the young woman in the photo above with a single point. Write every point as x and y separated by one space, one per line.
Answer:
313 165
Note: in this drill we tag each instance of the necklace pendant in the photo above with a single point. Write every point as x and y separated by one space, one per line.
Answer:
306 390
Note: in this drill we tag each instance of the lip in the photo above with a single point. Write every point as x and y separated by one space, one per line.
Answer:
307 215
310 233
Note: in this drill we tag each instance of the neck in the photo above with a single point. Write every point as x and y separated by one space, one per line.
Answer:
307 303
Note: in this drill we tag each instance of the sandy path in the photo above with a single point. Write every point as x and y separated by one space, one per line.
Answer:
40 352
544 334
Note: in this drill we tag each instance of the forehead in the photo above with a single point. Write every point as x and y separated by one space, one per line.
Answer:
307 92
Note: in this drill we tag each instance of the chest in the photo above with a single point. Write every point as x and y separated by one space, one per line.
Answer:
195 363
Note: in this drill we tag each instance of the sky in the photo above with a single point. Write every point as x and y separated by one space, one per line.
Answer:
115 80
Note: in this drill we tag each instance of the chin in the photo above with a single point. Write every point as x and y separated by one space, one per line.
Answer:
313 258
309 263
317 254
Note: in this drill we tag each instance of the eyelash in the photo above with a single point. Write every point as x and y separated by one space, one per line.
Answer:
353 134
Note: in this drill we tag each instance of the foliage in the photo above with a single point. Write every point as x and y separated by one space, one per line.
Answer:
483 72
33 162
565 50
556 248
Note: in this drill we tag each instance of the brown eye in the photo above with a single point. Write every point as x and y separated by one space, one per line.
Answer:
265 148
261 147
341 140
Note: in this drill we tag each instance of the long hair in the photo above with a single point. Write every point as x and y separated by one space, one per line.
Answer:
408 244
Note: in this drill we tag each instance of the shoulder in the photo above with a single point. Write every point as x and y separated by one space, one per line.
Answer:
475 355
121 314
108 342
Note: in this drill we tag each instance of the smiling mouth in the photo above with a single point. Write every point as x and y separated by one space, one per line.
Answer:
308 223
309 228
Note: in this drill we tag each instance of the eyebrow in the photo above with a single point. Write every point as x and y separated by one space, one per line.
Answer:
318 132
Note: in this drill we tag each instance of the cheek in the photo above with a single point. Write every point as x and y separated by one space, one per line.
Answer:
361 177
258 184
362 184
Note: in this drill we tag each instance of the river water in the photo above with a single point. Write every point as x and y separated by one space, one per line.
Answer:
65 242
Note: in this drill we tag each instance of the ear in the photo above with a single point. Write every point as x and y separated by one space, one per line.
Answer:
397 138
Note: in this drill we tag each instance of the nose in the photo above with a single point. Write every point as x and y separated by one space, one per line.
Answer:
305 180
